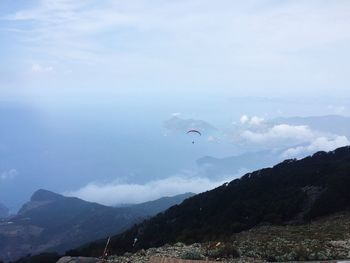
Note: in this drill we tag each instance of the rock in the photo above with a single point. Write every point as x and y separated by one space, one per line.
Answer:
79 260
179 244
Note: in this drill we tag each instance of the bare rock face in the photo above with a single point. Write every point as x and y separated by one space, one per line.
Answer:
79 260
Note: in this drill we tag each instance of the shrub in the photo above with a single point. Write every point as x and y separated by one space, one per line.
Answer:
192 255
224 251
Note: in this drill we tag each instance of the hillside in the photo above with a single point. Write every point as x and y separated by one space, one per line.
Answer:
52 222
217 167
326 238
323 239
154 207
4 211
291 192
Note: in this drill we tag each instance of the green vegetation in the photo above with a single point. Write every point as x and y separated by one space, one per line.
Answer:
192 255
290 192
226 250
268 214
324 239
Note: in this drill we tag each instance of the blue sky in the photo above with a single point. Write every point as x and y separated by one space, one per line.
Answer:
70 48
85 86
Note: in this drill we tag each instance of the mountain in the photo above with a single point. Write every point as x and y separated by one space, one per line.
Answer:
216 167
294 191
328 124
52 222
159 205
4 211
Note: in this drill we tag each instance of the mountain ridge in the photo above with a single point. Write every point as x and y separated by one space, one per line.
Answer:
53 222
276 195
45 195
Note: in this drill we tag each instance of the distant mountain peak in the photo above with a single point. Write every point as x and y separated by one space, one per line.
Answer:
48 222
4 211
45 195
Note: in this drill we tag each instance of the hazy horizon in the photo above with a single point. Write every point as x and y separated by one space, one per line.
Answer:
96 97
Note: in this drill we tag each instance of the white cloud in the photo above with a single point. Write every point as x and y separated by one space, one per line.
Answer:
252 32
279 133
337 109
8 175
213 45
117 193
37 68
244 119
319 144
299 140
254 120
78 18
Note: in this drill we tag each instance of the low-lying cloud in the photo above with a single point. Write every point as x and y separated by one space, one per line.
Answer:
8 175
319 144
118 193
254 120
295 141
278 133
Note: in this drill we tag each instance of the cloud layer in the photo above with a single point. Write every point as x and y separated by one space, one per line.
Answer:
255 120
300 140
279 133
318 144
222 45
119 193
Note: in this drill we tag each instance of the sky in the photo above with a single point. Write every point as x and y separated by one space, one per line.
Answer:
85 88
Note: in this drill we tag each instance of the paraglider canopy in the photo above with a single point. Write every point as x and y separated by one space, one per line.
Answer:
195 132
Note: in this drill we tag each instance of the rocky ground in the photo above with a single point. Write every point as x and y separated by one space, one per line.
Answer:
181 251
322 240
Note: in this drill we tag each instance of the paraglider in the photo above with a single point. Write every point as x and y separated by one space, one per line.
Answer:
194 132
